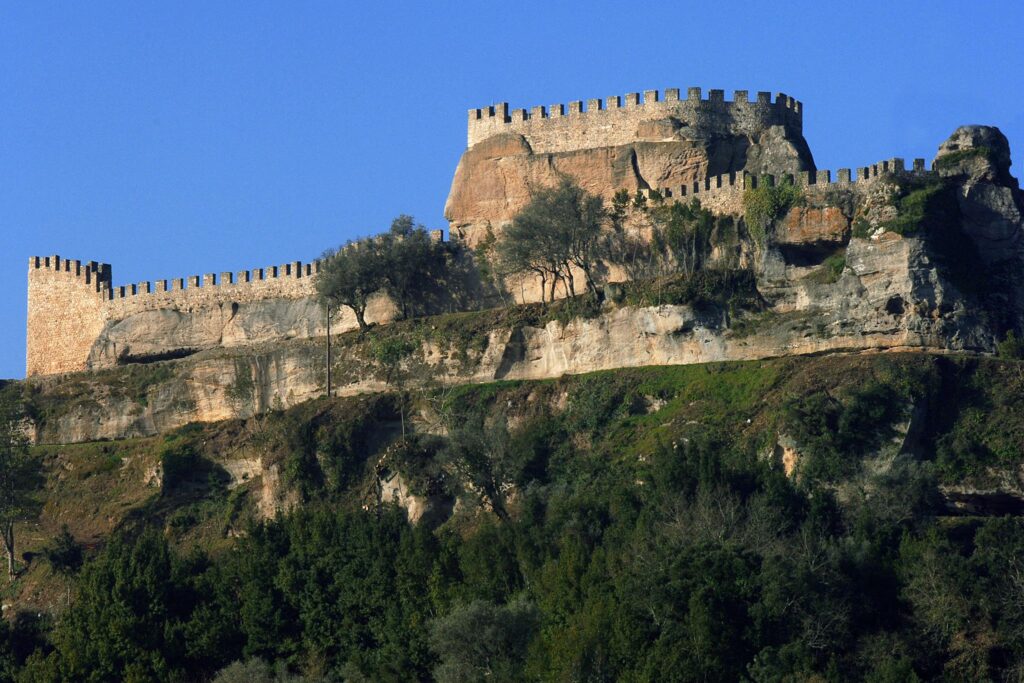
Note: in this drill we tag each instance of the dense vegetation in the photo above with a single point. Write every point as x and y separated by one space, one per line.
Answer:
840 519
632 525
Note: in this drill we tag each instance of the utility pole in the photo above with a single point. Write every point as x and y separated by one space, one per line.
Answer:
328 350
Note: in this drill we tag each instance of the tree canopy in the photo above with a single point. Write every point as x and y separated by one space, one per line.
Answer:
559 230
404 262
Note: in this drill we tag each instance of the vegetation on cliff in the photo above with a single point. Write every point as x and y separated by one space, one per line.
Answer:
629 525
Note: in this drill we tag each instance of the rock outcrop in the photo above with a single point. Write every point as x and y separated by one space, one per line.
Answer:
494 178
928 261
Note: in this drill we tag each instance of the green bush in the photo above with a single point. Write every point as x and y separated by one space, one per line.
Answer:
765 204
915 207
1011 347
831 268
179 462
953 158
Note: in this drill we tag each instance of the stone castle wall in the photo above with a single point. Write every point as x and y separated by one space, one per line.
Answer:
723 194
289 281
615 121
71 304
65 312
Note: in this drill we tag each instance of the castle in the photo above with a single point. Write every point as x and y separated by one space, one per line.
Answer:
708 148
615 121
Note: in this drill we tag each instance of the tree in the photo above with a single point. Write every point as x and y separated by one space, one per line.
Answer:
414 263
481 452
19 474
403 262
558 230
483 642
685 231
349 276
65 556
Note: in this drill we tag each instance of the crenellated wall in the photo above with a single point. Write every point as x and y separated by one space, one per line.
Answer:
66 301
288 281
612 122
71 303
723 194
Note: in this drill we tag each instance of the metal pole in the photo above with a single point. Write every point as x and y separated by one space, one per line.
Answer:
328 350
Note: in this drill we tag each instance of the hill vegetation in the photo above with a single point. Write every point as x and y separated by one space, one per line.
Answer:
804 518
791 519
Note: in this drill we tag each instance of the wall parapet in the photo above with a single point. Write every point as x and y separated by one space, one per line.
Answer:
607 122
71 302
91 274
724 193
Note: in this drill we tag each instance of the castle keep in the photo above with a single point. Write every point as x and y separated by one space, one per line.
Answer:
636 142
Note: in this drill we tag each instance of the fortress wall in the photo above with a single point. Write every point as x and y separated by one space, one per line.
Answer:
723 194
65 313
289 281
71 305
561 128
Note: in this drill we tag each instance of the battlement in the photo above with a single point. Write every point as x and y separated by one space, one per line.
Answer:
70 302
600 123
230 283
92 275
724 193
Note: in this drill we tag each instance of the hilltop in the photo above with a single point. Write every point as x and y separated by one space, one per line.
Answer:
766 429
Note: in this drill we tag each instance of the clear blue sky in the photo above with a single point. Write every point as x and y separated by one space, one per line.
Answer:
176 138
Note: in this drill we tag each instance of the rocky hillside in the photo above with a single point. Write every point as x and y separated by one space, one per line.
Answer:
910 261
787 447
804 511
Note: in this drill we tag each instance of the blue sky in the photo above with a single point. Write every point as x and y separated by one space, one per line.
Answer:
171 139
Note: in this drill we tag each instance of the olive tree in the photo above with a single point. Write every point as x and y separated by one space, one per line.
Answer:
559 230
349 276
403 262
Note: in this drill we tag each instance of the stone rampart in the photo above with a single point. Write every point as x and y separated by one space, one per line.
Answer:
65 312
288 281
723 194
615 121
71 303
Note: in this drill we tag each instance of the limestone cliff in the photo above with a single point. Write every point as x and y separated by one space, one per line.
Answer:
653 145
928 261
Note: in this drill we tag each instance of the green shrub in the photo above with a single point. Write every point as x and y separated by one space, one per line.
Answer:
734 289
766 203
831 268
954 158
861 228
916 206
1011 348
179 462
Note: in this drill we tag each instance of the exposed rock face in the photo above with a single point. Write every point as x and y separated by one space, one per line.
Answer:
980 152
979 157
494 178
814 229
888 297
835 274
169 333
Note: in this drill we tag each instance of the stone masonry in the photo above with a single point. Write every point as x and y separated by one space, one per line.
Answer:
615 121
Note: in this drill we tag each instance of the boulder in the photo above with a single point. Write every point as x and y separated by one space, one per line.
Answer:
982 153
